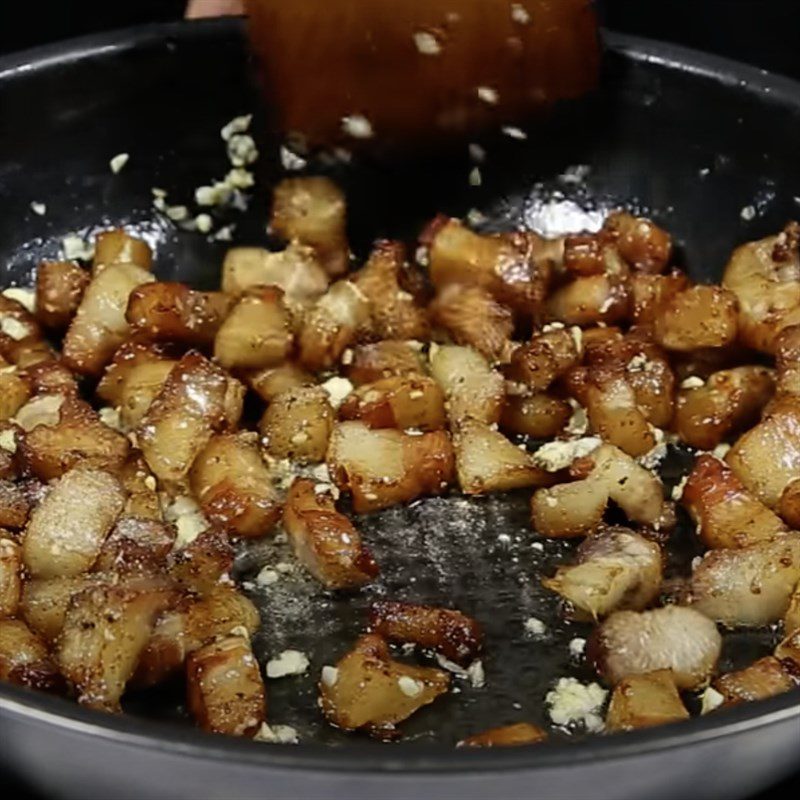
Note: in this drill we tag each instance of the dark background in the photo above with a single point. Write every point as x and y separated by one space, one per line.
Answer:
761 32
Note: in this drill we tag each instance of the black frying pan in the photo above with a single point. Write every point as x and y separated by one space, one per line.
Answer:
689 138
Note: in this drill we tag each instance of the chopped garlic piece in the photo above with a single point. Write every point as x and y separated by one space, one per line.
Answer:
188 518
477 676
427 44
110 416
204 223
535 627
488 95
409 686
711 700
289 662
8 441
24 296
267 577
12 327
357 126
475 177
40 209
330 675
236 125
692 382
514 133
677 491
290 161
337 389
520 14
577 647
276 734
76 249
555 456
118 163
572 702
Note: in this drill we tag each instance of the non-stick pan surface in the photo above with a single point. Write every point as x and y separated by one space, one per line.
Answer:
691 139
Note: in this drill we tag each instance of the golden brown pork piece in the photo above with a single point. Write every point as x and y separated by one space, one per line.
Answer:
198 400
706 412
172 312
727 515
702 316
764 678
644 701
550 354
325 542
455 635
24 658
398 402
615 569
313 210
233 485
367 689
59 288
765 277
115 246
382 468
394 313
674 637
367 363
225 690
11 570
512 267
517 735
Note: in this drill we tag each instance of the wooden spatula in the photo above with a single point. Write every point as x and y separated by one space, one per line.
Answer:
349 72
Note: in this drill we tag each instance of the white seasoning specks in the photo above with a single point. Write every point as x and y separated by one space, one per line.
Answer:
40 209
357 126
488 95
427 44
118 162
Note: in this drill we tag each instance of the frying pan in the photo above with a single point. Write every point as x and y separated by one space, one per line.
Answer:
689 138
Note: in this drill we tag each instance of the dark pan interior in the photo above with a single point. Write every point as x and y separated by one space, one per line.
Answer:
688 143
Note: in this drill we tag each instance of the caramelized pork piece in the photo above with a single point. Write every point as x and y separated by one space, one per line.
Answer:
325 542
447 631
615 569
382 468
225 690
99 326
368 363
394 313
24 658
115 246
398 402
765 277
550 354
313 210
727 515
521 733
488 462
472 389
766 677
59 288
172 312
674 637
514 268
67 529
644 701
368 689
576 509
702 316
105 630
197 400
748 587
473 317
708 411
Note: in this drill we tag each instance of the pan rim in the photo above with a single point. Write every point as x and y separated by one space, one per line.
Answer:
360 758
